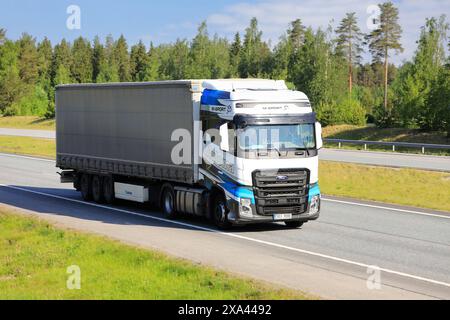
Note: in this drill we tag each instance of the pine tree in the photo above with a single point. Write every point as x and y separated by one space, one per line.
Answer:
219 58
12 87
28 59
139 62
81 67
98 58
284 53
108 67
385 38
153 65
349 41
62 56
296 34
199 56
254 53
45 54
2 36
174 60
235 55
122 58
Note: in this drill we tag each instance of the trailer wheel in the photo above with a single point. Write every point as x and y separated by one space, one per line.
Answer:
220 213
108 190
86 187
168 202
294 224
97 189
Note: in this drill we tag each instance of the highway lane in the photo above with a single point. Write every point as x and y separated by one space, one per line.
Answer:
44 134
439 163
328 258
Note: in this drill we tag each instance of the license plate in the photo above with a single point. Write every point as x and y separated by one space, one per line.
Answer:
278 217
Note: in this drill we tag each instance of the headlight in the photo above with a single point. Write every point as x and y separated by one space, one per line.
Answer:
314 207
246 208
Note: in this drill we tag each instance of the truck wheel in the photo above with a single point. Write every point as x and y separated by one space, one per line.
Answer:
97 189
168 203
220 213
86 188
294 224
108 190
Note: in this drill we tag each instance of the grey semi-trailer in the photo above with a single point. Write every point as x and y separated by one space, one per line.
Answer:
235 151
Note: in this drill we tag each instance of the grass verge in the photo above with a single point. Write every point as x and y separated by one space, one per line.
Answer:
408 187
348 132
28 146
34 257
370 133
29 122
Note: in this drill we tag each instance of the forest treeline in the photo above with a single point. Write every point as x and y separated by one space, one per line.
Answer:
325 64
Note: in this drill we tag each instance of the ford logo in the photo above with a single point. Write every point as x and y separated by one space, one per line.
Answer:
282 178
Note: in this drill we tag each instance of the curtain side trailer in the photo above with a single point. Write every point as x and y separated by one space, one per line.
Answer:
234 151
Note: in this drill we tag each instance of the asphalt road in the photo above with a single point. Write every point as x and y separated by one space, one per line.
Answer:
328 258
388 159
28 133
401 160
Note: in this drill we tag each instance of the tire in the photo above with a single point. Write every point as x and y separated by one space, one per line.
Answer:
86 187
77 182
294 224
97 189
220 213
108 190
168 203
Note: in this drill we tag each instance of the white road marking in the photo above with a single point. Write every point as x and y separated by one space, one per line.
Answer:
231 235
387 208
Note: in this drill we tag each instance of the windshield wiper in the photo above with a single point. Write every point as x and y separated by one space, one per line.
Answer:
271 147
306 148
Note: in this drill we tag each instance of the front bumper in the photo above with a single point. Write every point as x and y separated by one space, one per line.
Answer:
236 219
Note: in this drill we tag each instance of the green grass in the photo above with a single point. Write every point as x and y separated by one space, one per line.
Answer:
31 122
371 133
408 187
28 146
34 257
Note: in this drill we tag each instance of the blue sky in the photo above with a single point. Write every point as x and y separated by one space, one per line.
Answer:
165 21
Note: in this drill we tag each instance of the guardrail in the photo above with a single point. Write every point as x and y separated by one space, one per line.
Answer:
394 145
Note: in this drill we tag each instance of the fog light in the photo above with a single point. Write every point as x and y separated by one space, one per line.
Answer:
246 208
314 207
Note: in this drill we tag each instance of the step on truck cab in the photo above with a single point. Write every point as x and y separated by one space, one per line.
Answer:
235 151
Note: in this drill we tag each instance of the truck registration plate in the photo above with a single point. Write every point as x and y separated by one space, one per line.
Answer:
278 217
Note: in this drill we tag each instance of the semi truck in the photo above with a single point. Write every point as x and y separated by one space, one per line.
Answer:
236 151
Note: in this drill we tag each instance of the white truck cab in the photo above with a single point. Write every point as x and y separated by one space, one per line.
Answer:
264 154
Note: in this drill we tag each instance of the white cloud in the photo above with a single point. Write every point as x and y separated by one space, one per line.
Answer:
275 15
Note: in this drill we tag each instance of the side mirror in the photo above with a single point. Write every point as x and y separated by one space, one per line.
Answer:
225 143
319 140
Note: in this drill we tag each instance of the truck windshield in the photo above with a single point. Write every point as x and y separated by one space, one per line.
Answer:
277 137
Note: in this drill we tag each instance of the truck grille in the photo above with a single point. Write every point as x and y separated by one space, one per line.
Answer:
282 192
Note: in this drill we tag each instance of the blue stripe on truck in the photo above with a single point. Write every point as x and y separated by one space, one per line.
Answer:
314 191
211 97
